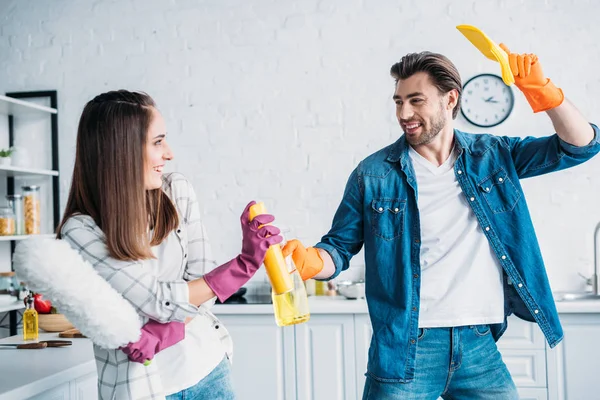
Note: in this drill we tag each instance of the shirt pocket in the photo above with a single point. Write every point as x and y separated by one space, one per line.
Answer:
499 192
387 220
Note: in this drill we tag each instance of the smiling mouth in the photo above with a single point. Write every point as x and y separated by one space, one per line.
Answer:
411 127
159 169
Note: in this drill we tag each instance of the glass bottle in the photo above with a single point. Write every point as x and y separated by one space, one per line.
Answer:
15 201
30 321
31 209
7 221
290 302
7 283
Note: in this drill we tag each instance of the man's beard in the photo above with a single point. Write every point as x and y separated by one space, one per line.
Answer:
436 124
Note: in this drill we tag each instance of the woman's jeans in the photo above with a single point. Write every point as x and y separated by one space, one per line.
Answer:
215 386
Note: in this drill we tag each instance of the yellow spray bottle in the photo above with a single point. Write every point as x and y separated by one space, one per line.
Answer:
290 302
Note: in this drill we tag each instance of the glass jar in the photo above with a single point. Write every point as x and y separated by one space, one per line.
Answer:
16 202
7 221
32 209
7 283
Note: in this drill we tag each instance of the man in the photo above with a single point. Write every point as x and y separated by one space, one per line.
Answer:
450 248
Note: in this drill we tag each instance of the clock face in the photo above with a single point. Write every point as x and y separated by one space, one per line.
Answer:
486 100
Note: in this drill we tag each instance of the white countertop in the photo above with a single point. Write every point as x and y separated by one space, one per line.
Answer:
340 305
578 307
25 373
317 305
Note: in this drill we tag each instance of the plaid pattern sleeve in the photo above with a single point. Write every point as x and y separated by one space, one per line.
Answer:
155 299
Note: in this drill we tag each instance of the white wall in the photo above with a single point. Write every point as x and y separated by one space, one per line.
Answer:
279 100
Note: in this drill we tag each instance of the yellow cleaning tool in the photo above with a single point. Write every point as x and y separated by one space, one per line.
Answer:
489 49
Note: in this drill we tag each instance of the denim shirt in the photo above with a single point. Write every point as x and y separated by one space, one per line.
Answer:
379 210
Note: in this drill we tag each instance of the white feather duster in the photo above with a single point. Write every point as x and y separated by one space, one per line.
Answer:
53 268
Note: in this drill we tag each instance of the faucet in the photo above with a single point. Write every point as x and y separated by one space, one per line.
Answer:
594 277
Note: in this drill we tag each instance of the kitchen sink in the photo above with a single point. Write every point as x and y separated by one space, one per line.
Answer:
575 296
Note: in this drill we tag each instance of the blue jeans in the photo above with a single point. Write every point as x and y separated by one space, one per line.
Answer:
215 386
452 363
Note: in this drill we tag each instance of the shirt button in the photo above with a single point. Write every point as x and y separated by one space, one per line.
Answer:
178 230
472 199
416 276
396 210
414 308
487 189
500 179
413 341
185 255
417 241
380 208
536 311
459 172
216 326
167 303
487 228
503 257
520 285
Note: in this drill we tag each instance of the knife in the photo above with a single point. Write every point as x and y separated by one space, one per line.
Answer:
39 345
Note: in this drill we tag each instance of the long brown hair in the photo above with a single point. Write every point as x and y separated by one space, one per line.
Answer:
440 69
108 176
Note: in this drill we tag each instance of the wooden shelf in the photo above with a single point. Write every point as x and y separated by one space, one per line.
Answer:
23 237
9 170
10 106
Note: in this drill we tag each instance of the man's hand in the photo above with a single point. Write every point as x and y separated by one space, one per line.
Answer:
539 91
308 261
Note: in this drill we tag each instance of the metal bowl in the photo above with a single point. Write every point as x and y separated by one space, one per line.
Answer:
351 289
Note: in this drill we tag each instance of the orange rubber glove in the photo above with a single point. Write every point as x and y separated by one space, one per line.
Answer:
539 91
308 261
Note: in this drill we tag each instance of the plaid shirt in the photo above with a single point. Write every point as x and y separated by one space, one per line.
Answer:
118 378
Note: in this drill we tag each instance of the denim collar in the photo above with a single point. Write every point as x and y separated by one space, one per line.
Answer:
399 150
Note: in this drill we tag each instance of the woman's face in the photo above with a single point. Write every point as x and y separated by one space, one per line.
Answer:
157 152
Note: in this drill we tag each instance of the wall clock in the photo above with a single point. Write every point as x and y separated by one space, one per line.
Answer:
486 100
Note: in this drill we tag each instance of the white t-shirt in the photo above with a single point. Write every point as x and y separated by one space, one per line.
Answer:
187 362
461 278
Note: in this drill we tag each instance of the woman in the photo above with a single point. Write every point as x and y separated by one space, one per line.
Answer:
142 232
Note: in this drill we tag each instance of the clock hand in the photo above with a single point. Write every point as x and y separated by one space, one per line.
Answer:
490 100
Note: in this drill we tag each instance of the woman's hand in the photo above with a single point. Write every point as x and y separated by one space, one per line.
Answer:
257 237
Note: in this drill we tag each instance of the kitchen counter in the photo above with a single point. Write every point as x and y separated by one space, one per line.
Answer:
341 305
27 373
578 307
317 305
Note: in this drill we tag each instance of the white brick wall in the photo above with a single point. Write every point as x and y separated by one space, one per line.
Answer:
278 100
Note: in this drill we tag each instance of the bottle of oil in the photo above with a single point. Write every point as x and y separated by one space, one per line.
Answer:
290 302
30 321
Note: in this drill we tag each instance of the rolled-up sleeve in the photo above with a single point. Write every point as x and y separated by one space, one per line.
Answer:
162 301
592 148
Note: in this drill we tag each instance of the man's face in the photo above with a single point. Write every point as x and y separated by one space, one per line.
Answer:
420 109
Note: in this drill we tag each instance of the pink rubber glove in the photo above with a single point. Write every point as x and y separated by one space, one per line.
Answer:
155 337
226 279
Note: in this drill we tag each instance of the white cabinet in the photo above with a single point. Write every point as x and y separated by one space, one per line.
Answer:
84 388
264 364
532 394
574 365
61 392
325 358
